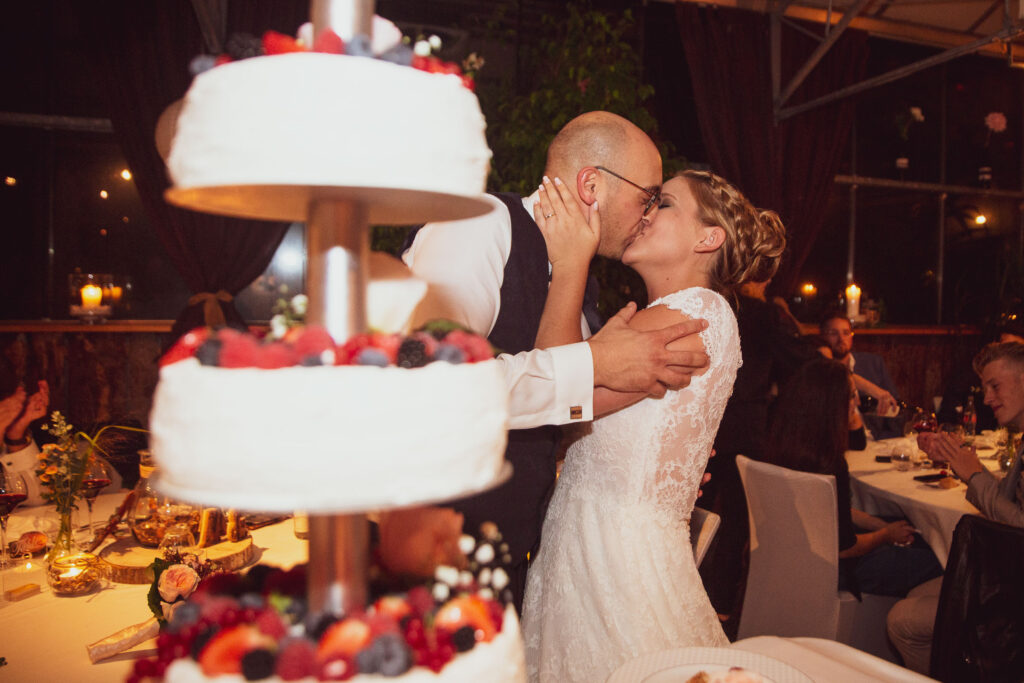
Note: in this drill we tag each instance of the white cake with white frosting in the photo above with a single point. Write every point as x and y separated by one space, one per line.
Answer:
328 439
260 137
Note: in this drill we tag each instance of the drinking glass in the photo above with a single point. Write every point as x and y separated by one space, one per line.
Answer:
13 492
97 477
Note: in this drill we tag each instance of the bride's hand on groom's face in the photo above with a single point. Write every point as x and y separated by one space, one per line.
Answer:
570 236
632 360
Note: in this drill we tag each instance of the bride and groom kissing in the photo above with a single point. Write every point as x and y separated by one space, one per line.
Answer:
611 576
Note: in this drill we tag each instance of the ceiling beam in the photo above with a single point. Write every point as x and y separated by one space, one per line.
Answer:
819 52
885 28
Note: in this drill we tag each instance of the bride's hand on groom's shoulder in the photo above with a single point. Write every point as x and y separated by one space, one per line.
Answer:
632 360
415 541
571 237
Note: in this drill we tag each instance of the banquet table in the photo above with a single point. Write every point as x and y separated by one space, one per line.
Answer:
878 488
45 636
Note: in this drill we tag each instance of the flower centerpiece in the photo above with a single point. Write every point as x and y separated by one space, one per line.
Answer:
61 471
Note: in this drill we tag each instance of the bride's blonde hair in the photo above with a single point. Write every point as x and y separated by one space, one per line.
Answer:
755 238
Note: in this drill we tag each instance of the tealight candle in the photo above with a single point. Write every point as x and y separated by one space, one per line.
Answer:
92 296
852 301
73 574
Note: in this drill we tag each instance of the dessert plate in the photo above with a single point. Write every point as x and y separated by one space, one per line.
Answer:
678 666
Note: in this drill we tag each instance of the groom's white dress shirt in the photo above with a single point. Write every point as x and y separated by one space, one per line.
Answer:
463 262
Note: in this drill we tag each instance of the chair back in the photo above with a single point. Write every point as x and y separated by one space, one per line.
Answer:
703 526
979 627
792 585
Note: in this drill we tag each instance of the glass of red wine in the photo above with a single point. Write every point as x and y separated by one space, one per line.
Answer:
13 493
97 477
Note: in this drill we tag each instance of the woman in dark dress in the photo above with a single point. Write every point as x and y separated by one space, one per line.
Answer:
810 432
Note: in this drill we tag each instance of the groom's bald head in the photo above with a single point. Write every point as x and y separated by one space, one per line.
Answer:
600 138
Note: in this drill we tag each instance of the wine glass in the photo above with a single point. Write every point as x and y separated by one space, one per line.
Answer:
13 492
97 476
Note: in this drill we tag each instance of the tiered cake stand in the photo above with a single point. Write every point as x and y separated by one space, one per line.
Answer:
338 221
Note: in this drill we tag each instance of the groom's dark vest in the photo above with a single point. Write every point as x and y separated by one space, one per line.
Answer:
518 505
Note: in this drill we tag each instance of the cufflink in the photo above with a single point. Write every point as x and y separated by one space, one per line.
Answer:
576 413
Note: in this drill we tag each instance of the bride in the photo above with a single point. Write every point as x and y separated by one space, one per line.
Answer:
615 577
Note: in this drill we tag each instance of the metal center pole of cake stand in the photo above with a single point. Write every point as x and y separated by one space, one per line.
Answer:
338 251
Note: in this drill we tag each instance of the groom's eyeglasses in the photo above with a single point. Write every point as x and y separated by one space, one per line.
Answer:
653 196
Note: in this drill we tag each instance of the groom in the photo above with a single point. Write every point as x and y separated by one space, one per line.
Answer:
491 274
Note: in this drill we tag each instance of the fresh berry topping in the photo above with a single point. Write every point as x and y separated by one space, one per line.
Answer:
372 357
208 353
275 43
346 637
359 46
269 623
330 42
311 340
243 46
317 625
186 346
449 353
387 654
223 59
296 660
420 600
202 637
201 63
337 667
223 654
238 350
350 349
258 664
185 614
464 639
476 348
412 354
392 606
467 610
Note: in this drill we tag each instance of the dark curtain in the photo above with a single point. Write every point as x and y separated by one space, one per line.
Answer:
142 53
787 167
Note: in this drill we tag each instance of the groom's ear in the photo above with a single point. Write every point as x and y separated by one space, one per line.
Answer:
586 185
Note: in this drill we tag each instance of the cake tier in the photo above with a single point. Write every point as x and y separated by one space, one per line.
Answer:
499 661
328 439
263 137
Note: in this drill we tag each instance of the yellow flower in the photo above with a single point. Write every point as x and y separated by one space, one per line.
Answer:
43 455
45 478
51 470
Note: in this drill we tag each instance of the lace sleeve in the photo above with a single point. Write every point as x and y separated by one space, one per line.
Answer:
690 417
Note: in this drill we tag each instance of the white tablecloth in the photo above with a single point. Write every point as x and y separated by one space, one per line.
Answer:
44 636
880 489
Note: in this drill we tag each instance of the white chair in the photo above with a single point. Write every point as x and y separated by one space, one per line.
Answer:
703 526
792 585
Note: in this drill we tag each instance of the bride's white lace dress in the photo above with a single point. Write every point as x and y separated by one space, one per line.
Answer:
615 576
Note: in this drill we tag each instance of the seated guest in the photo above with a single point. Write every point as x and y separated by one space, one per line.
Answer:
810 433
18 452
870 374
1001 368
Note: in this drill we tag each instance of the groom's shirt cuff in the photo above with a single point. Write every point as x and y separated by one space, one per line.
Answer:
550 387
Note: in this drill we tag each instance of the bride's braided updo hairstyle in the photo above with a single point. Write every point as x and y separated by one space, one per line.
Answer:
755 238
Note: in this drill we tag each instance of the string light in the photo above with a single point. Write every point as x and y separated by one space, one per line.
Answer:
10 181
980 219
126 174
104 194
808 289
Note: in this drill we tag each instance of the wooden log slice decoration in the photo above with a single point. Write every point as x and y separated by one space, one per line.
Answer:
128 562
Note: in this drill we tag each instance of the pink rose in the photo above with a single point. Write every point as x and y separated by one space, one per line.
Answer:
996 122
178 580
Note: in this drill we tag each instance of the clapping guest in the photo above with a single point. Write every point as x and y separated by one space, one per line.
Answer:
1001 368
810 432
18 410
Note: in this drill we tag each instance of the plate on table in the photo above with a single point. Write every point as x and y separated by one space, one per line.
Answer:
678 666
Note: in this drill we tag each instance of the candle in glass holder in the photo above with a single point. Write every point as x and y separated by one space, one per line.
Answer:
92 296
73 574
852 301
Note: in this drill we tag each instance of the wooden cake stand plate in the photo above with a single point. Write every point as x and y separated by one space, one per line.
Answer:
128 562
